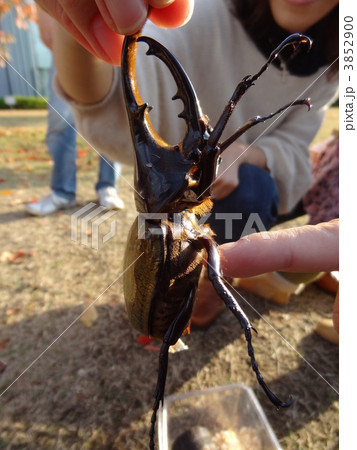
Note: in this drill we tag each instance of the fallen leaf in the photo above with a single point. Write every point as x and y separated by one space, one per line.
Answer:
6 192
7 256
18 255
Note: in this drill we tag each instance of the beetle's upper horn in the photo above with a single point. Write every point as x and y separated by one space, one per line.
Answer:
161 169
185 91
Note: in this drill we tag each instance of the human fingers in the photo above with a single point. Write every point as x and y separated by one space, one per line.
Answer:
310 248
174 15
125 16
45 26
128 17
84 22
98 25
160 3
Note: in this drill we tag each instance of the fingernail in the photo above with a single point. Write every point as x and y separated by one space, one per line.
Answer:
131 19
160 3
107 43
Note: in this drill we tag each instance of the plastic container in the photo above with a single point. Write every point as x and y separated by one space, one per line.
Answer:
224 418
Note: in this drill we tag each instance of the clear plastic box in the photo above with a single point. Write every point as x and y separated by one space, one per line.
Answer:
224 418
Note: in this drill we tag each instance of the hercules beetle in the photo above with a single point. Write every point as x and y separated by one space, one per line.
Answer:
161 271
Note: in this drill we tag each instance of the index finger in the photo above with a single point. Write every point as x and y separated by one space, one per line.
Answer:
310 248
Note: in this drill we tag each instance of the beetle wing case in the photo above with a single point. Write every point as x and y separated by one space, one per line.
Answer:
154 296
140 283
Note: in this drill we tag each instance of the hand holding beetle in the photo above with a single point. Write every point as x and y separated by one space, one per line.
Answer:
99 25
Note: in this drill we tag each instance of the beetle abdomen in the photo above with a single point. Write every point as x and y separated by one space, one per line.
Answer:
160 274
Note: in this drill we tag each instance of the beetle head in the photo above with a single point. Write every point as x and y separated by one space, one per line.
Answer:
174 178
166 177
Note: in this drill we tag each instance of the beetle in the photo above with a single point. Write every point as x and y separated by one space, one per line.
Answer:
165 253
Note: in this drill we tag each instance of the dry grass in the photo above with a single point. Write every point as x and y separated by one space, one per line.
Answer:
69 386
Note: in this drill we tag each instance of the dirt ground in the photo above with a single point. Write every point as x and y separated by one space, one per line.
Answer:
84 382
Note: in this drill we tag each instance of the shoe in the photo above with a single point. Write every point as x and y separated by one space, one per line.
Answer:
271 286
108 197
208 304
326 330
48 205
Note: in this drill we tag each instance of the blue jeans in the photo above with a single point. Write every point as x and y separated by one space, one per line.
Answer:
251 207
61 141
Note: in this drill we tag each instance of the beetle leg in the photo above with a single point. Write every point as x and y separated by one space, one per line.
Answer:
213 271
209 155
259 119
248 81
172 335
